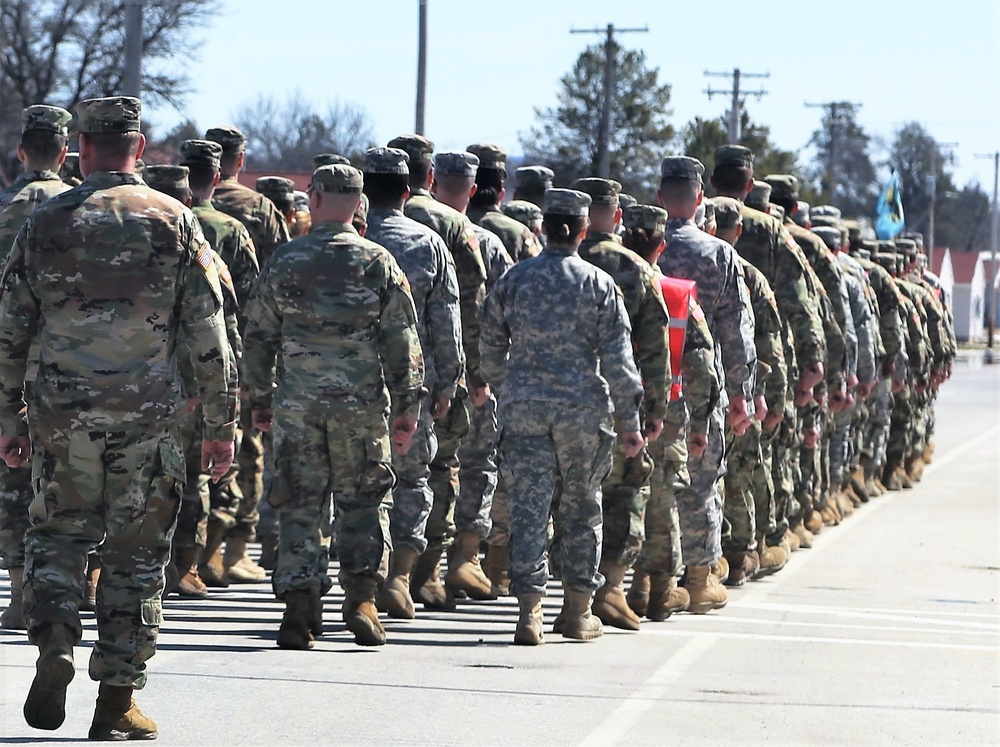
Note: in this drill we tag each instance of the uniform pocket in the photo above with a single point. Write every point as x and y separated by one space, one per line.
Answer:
151 612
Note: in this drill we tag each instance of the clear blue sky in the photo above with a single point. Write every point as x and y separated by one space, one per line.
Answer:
491 63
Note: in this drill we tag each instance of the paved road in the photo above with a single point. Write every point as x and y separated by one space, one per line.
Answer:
886 632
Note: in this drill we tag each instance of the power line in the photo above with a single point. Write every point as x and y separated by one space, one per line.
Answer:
736 105
991 281
604 133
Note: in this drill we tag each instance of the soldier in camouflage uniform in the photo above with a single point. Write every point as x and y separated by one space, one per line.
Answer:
430 269
281 191
555 410
329 159
107 464
655 593
268 231
465 573
525 212
626 490
41 150
712 264
482 498
484 207
531 183
337 310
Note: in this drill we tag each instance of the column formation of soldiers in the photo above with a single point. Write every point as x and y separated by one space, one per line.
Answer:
580 385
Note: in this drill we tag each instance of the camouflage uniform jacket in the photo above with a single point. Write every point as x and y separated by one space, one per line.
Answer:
231 241
430 270
772 371
694 255
106 275
887 296
19 201
866 363
918 354
937 334
521 243
337 310
555 329
463 243
647 313
495 255
266 226
770 248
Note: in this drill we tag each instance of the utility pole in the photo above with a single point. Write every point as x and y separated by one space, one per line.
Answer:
836 110
421 67
604 133
991 290
932 193
132 74
736 105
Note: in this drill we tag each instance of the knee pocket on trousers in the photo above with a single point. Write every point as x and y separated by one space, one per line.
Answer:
151 612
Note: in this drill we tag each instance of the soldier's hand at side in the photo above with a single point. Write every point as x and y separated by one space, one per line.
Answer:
191 404
632 443
263 419
480 396
402 432
897 385
440 406
888 366
803 396
217 458
697 443
773 418
654 429
811 376
739 417
838 399
865 389
810 437
759 407
15 450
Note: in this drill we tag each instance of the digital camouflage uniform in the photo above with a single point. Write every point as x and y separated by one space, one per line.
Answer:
110 470
335 307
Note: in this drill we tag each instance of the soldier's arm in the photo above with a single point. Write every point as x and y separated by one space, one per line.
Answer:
244 268
702 387
732 318
19 314
614 346
471 274
798 302
262 337
399 344
651 335
444 325
861 312
494 337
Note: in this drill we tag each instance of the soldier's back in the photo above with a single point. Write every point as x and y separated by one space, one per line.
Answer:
255 211
520 242
21 199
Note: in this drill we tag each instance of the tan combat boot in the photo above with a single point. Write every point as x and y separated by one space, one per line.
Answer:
845 505
211 569
904 479
928 455
496 570
45 706
805 536
189 583
720 569
425 583
706 592
240 568
13 617
870 469
858 486
813 521
465 572
360 613
294 632
772 559
638 593
742 567
792 539
579 624
395 597
117 718
666 597
609 602
529 621
915 468
89 601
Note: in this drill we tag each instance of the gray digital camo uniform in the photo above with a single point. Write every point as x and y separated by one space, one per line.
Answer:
547 326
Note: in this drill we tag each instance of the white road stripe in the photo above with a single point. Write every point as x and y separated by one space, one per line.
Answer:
993 649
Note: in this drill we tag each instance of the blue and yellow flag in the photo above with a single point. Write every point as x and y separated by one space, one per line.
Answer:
889 221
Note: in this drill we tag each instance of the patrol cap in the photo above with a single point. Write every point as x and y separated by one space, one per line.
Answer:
44 117
907 247
456 163
534 178
682 167
329 159
490 156
827 210
601 191
820 219
626 200
887 260
229 137
362 211
337 178
863 253
734 155
870 244
916 236
387 161
417 147
205 152
784 187
276 187
727 212
163 177
760 195
301 200
831 236
111 114
801 214
646 217
567 202
523 211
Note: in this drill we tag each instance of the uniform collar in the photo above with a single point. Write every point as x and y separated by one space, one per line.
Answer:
102 179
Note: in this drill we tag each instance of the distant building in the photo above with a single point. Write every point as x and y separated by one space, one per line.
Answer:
965 273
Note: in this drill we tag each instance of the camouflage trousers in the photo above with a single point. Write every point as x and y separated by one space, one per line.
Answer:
122 488
547 448
661 552
343 456
700 509
15 497
876 429
625 495
499 515
412 498
445 469
478 473
783 444
900 425
841 447
248 477
749 491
